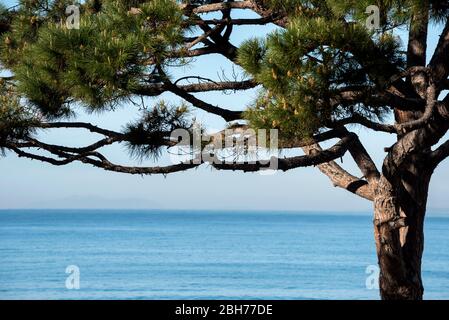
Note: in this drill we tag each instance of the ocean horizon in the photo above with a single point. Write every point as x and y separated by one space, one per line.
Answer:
201 254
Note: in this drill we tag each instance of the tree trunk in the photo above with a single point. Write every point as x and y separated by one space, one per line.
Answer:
399 210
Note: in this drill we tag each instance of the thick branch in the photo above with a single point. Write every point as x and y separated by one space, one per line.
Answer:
341 178
364 161
440 154
207 8
157 89
440 62
226 114
220 86
370 96
239 22
425 118
334 152
417 42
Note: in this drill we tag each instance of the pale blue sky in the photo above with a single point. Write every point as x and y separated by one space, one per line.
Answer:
31 184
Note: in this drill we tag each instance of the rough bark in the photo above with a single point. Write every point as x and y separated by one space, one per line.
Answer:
401 194
399 210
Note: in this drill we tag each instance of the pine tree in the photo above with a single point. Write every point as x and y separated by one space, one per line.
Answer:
323 71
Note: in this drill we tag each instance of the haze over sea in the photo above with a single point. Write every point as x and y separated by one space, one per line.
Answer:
125 254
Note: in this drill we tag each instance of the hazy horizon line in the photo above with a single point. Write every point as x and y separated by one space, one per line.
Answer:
433 211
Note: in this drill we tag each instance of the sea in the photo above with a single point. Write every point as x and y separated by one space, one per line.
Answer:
164 254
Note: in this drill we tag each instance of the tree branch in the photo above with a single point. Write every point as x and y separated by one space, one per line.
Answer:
425 118
334 152
207 8
358 119
338 150
439 62
440 154
82 125
341 178
238 22
226 114
157 89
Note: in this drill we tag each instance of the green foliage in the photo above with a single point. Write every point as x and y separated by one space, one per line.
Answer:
16 121
96 66
304 67
146 136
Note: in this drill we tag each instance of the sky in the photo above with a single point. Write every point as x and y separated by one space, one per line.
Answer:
31 184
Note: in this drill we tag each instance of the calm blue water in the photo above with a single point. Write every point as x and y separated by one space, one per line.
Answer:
189 255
